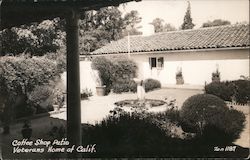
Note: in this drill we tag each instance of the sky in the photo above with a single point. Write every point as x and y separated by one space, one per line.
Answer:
173 11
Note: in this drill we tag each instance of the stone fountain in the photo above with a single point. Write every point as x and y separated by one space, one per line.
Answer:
140 89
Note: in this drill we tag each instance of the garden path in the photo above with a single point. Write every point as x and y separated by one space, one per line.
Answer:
97 108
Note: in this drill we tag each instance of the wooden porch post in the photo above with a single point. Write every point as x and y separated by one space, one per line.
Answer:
73 83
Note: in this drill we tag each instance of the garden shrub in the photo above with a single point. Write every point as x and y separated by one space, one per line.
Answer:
242 91
172 115
128 135
85 93
104 67
116 74
19 76
227 131
124 86
151 84
42 98
238 90
224 90
208 116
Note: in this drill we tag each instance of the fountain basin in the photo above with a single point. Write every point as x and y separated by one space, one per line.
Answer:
140 103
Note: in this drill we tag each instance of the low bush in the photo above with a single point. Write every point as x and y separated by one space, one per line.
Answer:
238 90
207 116
128 135
242 91
151 84
124 86
85 93
42 98
224 90
172 115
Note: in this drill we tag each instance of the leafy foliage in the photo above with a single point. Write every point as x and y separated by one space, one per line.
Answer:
238 90
35 39
85 93
216 22
151 84
220 89
242 91
187 24
169 27
104 67
98 28
159 26
20 77
208 116
116 73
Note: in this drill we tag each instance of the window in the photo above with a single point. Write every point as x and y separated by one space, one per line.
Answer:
156 62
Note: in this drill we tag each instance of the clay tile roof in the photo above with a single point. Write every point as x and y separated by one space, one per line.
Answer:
228 36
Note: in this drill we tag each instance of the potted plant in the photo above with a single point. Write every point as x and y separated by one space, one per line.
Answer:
179 77
100 88
216 76
26 130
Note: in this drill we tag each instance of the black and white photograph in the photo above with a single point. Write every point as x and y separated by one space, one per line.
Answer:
124 79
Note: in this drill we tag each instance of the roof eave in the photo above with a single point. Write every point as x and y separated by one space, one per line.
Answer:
16 14
174 51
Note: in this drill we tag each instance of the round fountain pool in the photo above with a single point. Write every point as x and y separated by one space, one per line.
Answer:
140 103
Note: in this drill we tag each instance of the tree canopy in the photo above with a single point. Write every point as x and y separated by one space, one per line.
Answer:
169 27
98 28
188 22
36 39
216 22
159 26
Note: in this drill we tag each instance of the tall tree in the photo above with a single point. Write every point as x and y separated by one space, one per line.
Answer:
35 39
169 27
101 27
131 21
216 22
187 24
158 25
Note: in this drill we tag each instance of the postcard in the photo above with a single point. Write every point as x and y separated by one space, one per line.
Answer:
146 79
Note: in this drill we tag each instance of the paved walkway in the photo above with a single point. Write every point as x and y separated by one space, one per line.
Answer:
97 108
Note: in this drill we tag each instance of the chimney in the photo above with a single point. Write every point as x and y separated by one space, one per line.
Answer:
148 30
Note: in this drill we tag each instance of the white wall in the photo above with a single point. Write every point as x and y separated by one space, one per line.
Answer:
197 67
88 77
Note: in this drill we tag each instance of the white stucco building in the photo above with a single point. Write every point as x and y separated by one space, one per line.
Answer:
198 52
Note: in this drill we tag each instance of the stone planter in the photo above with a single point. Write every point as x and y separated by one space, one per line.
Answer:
26 132
215 79
179 80
100 90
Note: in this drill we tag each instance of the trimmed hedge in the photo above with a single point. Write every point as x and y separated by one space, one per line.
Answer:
151 84
124 86
238 90
208 117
